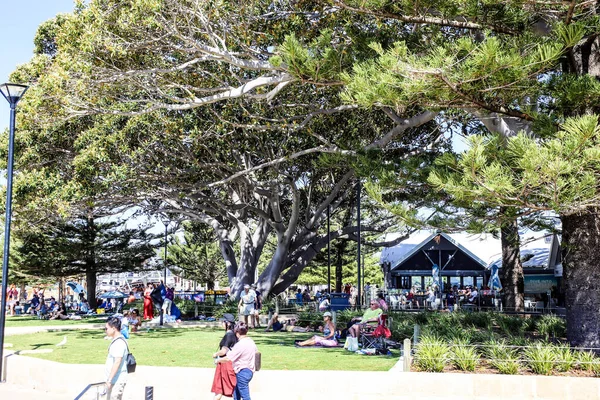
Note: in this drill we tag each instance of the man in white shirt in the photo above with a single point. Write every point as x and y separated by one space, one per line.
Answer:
473 295
246 305
115 367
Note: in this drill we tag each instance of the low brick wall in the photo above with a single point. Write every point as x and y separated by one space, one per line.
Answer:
194 383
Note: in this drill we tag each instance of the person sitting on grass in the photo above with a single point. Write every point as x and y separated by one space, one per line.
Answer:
134 321
290 326
327 340
60 313
275 324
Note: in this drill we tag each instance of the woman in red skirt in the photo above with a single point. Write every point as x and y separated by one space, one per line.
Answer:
224 381
148 304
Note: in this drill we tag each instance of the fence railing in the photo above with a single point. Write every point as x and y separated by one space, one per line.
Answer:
100 388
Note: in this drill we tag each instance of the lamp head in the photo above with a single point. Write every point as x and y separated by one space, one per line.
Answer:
13 92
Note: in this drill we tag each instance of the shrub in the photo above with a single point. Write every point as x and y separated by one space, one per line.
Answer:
502 357
587 361
540 358
401 329
479 319
310 319
517 341
465 357
484 336
432 354
565 359
551 326
510 326
229 307
343 317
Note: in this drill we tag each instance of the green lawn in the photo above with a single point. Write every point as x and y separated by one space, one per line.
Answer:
27 320
194 348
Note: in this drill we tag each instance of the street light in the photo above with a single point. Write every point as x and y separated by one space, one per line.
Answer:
162 311
12 93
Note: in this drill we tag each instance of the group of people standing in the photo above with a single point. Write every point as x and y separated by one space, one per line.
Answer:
235 360
158 294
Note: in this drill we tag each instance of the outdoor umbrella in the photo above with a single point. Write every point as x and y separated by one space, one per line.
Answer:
115 294
76 287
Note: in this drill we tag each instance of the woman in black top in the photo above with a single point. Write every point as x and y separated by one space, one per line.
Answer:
224 381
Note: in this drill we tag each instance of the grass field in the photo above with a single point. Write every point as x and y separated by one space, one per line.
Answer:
194 348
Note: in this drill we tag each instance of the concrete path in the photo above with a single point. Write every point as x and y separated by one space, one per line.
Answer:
11 391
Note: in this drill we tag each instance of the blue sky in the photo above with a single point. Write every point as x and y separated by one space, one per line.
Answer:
20 20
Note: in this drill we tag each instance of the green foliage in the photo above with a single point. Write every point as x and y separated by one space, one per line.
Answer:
510 325
502 357
343 317
309 318
432 354
551 326
540 357
229 307
465 357
566 359
197 255
587 361
479 319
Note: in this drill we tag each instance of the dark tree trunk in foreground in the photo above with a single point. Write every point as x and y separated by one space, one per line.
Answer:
91 271
90 278
580 247
341 246
340 249
511 273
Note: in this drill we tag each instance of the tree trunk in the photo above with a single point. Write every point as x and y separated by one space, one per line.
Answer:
340 249
91 270
341 246
580 244
513 284
90 278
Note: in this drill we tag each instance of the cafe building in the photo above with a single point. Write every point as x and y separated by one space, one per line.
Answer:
464 259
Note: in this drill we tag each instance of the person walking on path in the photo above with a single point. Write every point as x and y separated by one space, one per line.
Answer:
224 380
115 367
148 304
243 358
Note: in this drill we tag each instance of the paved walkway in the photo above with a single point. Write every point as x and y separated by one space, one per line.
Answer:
11 391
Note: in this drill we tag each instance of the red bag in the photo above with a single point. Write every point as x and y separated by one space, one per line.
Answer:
382 331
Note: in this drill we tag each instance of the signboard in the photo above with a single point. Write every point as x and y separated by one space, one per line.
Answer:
216 292
198 297
539 283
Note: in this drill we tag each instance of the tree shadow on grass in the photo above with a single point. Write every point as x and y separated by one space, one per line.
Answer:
38 345
151 333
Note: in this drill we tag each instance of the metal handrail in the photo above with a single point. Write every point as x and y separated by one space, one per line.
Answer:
88 387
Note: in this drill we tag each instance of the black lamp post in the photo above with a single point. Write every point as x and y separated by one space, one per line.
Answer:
166 223
12 93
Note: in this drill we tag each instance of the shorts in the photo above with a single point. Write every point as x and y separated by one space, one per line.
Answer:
248 309
116 392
